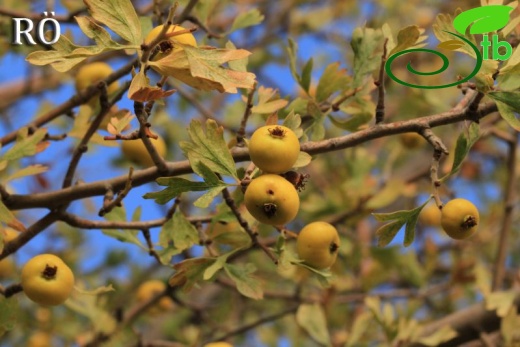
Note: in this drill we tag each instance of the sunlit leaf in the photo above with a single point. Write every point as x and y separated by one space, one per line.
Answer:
179 231
118 15
450 45
208 147
441 335
27 171
247 19
334 79
141 90
9 313
25 145
246 283
311 317
202 68
462 148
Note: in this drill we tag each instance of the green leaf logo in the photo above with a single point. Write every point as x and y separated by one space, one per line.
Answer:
484 19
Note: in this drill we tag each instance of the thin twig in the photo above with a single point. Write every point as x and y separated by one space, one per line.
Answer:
247 327
110 204
68 105
380 83
247 112
243 223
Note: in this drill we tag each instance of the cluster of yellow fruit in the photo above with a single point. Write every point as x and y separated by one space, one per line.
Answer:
272 199
459 218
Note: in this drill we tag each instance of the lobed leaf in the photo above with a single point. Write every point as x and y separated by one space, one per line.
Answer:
334 79
247 19
462 148
209 148
180 232
311 317
246 284
25 145
508 105
118 15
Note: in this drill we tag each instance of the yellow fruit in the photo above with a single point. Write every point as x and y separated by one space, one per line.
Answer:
150 289
91 74
169 46
411 140
9 234
47 280
274 148
430 216
459 218
218 344
7 268
272 200
40 339
317 245
135 151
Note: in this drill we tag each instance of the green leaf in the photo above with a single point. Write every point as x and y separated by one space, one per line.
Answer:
464 144
312 319
118 214
202 68
237 64
246 284
25 145
508 104
501 302
334 79
367 45
443 334
189 272
247 19
8 314
354 122
387 232
360 326
218 264
209 148
177 186
97 33
409 37
292 51
180 232
293 121
305 81
441 28
88 305
7 217
268 101
316 130
118 15
27 171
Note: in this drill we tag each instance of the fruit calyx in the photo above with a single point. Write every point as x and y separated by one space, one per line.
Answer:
468 222
269 209
49 272
333 247
277 132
